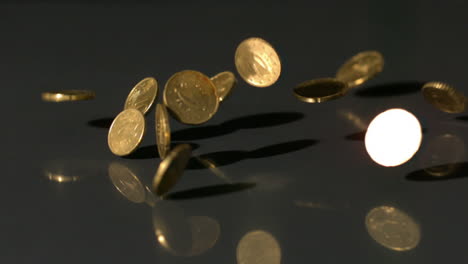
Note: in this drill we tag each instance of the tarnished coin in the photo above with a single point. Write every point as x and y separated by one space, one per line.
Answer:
163 131
126 132
257 62
224 83
142 96
126 182
360 68
444 97
258 247
191 96
68 95
320 90
171 168
393 228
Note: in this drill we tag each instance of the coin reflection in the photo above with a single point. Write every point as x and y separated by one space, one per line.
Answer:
393 228
352 117
213 167
258 247
60 178
126 182
65 171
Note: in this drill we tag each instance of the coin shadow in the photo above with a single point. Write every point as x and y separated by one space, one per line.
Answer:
209 191
390 89
462 118
460 170
151 151
105 122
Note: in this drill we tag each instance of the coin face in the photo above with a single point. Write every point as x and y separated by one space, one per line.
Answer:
392 228
126 182
191 96
360 68
171 168
257 62
142 96
163 131
444 97
68 95
224 83
320 90
258 247
126 132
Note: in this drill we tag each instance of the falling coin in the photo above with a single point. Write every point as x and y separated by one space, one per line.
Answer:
191 96
444 97
68 95
320 90
126 132
163 131
224 83
360 68
142 96
126 182
171 168
257 62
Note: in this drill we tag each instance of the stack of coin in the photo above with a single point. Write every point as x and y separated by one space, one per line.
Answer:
444 97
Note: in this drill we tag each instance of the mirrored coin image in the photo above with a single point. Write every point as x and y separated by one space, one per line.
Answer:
320 90
126 132
360 68
444 97
68 95
126 182
143 95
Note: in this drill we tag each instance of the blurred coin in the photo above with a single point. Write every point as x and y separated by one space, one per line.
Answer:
68 95
142 96
443 155
224 83
257 62
191 96
163 130
126 182
258 247
360 68
126 132
320 90
444 97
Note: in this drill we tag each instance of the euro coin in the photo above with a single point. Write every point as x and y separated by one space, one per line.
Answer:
142 96
68 95
320 90
126 182
360 68
257 62
444 97
163 131
126 132
171 168
224 83
191 97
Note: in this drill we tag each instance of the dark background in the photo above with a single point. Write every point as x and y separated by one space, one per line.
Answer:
294 153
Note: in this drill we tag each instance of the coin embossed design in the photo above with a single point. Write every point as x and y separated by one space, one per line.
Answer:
320 90
444 97
126 182
393 228
224 83
68 95
142 96
171 168
360 68
191 96
258 247
163 131
257 62
126 132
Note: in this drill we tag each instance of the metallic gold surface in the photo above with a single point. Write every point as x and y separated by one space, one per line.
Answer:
126 132
320 90
163 131
191 96
258 247
444 97
68 95
224 83
257 62
126 182
443 155
360 68
393 228
142 96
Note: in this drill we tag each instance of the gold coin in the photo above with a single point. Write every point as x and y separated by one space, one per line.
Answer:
224 83
126 132
258 247
444 97
171 168
320 90
126 182
142 96
360 68
393 228
191 96
257 62
68 95
163 131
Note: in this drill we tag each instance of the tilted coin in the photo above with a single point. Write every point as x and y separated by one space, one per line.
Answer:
68 95
191 96
444 97
171 168
126 182
126 132
163 131
320 90
257 62
360 68
224 83
142 96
